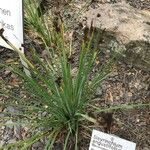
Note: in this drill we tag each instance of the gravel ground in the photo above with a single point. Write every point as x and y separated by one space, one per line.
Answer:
126 84
140 4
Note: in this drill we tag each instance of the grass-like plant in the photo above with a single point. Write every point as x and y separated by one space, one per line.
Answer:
54 88
42 27
35 23
62 94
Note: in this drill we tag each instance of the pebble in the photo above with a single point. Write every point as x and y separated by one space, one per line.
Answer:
7 72
2 115
11 110
9 124
99 91
114 74
104 87
37 146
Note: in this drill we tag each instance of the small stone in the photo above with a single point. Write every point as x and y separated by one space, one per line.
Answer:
2 115
7 72
3 127
9 124
104 87
130 94
44 114
99 91
2 143
117 98
37 146
113 74
11 110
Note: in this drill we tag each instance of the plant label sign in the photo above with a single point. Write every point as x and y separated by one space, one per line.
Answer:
11 20
103 141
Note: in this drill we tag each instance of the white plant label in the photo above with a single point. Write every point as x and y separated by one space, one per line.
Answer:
103 141
11 19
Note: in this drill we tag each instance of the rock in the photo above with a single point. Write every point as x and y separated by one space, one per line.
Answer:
37 146
11 110
138 53
7 72
8 134
126 25
99 91
142 4
104 87
1 115
44 114
10 124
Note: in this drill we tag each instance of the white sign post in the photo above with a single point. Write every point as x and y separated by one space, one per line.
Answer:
11 20
103 141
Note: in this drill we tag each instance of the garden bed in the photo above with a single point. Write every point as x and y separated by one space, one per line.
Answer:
125 84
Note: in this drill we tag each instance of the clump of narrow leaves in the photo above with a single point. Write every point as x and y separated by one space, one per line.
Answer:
64 96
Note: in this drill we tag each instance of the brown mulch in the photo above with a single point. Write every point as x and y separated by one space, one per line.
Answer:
126 84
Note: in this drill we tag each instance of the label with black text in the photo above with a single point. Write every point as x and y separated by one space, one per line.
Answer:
103 141
11 20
